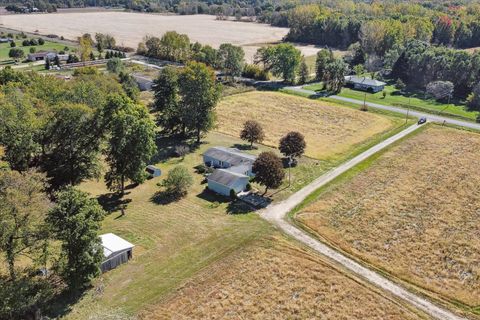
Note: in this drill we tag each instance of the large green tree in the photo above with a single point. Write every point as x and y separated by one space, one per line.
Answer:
281 59
166 100
131 142
324 57
231 59
200 95
75 221
19 130
23 206
334 76
72 141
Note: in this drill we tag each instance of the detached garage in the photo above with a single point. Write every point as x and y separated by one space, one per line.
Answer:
116 251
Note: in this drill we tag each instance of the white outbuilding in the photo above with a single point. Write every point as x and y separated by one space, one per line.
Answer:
115 251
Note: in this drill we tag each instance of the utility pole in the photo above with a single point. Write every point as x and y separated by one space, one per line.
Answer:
289 173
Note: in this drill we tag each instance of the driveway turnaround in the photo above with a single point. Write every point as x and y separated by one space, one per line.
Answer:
276 214
413 113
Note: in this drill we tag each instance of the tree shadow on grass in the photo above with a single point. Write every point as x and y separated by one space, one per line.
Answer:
113 201
166 147
62 304
165 198
243 146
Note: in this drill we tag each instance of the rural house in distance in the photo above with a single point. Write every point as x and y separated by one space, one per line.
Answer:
365 84
233 169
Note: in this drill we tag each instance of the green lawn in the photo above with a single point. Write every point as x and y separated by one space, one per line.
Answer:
415 101
48 45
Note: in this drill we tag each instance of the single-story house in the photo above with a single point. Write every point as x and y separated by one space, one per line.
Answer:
41 55
222 181
229 158
365 84
153 171
116 251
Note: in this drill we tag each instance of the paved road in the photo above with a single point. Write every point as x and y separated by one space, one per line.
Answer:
414 113
276 214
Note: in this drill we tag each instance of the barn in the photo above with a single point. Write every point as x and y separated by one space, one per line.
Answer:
116 251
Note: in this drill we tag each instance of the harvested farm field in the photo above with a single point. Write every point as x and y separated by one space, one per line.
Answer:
330 130
413 211
129 28
275 279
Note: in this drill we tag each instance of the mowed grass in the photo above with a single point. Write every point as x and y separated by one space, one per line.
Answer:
276 279
172 241
414 212
417 101
330 131
47 46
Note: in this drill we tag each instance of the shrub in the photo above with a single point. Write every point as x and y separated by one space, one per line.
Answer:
13 44
233 194
201 168
255 72
85 70
33 42
384 94
177 182
32 50
25 43
41 41
248 187
16 53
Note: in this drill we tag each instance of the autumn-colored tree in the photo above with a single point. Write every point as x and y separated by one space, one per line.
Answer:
252 132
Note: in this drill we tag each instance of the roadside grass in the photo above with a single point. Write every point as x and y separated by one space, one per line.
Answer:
173 241
416 101
49 45
409 211
275 278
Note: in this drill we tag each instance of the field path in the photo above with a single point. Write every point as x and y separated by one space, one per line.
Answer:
276 214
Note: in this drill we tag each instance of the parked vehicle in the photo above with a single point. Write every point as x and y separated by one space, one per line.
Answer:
422 120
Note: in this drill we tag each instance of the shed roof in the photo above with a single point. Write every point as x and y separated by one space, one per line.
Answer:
225 177
112 243
231 155
364 80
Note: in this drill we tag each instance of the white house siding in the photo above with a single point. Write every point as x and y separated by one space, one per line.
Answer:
238 186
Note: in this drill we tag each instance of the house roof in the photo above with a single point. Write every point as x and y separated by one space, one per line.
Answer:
42 54
231 155
225 177
112 243
364 80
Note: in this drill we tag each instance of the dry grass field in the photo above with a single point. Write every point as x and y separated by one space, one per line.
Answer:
414 212
130 28
275 279
330 130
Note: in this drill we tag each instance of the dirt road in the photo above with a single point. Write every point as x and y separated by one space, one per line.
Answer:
276 214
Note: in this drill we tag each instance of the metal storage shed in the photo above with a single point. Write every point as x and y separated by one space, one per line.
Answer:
115 250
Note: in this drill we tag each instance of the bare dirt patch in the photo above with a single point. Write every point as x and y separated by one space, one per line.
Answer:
275 279
330 130
129 28
414 212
